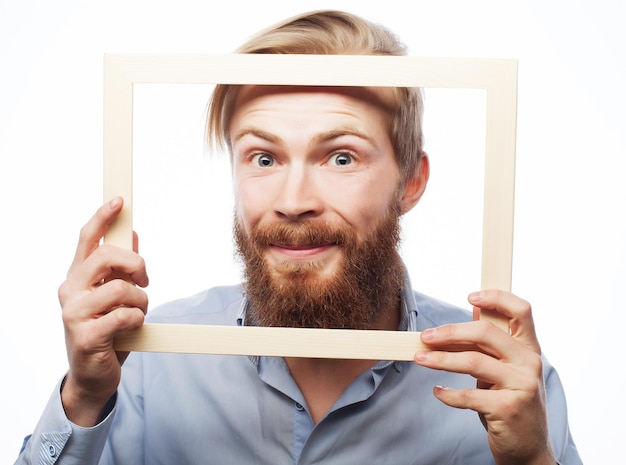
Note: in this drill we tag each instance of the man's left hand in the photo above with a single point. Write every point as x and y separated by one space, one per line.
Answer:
510 394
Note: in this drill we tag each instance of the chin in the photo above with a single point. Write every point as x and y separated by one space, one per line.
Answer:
312 269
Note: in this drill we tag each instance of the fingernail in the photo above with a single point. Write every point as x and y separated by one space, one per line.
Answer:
115 201
475 297
421 356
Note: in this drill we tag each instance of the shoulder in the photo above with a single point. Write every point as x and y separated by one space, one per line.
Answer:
218 305
434 312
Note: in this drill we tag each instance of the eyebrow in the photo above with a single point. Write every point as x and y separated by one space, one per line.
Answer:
259 133
344 131
318 138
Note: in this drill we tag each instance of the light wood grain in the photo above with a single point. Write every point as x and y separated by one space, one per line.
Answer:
498 77
279 342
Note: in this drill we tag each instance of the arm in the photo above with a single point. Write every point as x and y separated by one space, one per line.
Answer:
99 299
510 395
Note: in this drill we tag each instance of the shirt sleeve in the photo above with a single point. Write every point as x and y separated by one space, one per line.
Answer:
56 440
558 424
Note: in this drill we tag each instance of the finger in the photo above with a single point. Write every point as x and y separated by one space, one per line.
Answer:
101 332
122 319
479 400
103 300
505 303
101 264
473 336
487 370
510 405
514 420
92 232
482 338
518 311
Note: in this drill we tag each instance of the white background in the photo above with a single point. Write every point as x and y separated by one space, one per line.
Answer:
570 251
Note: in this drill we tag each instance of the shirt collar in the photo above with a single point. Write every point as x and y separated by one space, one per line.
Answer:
408 306
408 321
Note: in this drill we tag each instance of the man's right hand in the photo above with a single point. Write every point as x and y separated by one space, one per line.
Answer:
99 300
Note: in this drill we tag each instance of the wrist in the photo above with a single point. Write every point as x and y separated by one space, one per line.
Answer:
84 407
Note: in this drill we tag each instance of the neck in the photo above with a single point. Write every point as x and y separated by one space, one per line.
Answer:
322 381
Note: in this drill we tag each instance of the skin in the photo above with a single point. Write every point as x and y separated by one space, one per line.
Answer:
311 153
301 154
95 310
510 394
287 164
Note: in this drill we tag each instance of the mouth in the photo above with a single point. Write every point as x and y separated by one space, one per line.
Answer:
300 250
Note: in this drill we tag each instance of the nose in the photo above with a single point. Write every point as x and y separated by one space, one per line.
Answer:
299 196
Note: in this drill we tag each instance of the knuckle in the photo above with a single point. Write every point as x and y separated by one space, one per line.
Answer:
121 316
71 316
143 301
437 357
127 317
136 262
483 329
85 233
536 365
117 289
465 397
122 294
63 292
141 263
521 307
447 332
533 388
526 310
66 317
475 362
503 299
103 251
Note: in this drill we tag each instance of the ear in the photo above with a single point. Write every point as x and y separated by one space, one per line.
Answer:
415 185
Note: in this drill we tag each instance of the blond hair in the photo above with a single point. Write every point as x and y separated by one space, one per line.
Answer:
331 33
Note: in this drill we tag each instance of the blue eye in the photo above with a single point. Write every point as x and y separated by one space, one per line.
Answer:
341 159
264 160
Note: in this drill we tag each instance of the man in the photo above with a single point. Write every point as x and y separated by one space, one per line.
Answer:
321 177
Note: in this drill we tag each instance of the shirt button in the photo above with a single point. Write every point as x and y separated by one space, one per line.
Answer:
299 407
52 451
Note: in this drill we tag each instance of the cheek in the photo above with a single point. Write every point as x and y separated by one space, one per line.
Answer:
250 206
362 202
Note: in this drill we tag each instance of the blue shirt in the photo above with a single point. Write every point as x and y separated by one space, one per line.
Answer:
192 409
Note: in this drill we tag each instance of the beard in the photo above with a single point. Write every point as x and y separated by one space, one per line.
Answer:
366 284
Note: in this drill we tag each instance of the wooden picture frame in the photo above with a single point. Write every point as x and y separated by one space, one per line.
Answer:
498 77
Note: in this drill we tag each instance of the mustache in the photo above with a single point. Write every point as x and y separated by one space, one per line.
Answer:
309 233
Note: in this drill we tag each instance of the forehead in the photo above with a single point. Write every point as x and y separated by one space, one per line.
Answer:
381 97
321 105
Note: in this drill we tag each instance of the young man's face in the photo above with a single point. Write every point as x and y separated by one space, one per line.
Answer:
315 176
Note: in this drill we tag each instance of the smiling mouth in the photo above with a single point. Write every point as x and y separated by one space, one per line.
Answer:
301 251
300 246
